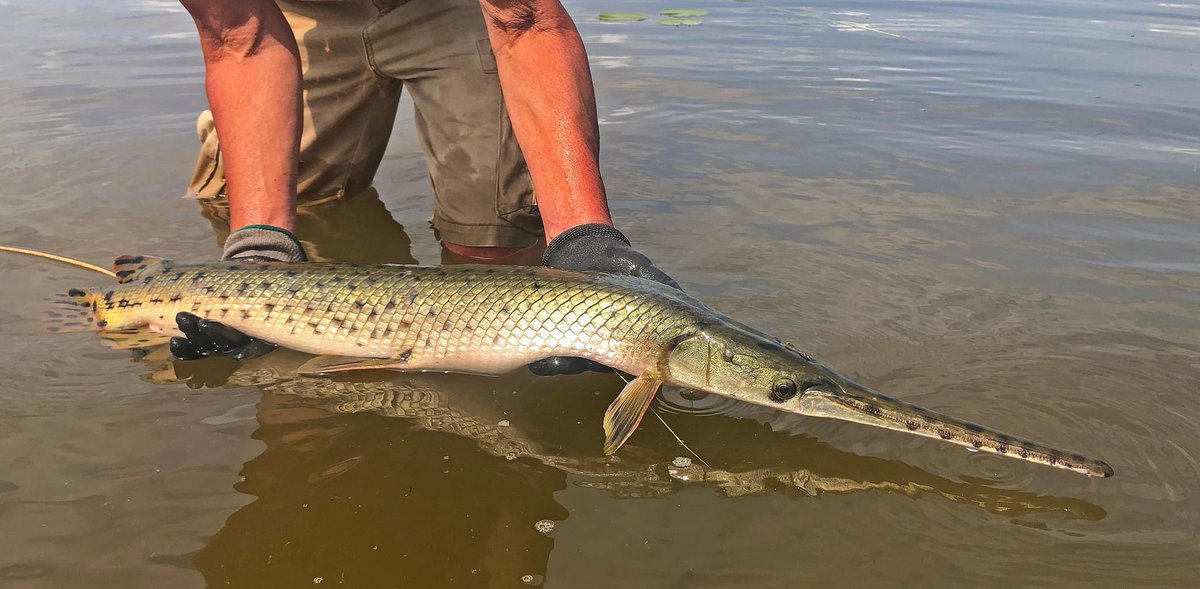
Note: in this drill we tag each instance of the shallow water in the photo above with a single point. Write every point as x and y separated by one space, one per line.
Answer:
986 209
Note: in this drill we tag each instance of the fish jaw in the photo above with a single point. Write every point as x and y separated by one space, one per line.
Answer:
848 401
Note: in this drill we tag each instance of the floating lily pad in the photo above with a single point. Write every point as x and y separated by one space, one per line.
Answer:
684 12
621 17
680 22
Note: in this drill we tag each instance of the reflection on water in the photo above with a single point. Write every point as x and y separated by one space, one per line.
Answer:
992 216
331 500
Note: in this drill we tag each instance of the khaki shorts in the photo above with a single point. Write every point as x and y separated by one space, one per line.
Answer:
357 56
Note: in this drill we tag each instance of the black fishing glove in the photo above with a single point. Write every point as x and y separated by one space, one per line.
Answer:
202 337
599 248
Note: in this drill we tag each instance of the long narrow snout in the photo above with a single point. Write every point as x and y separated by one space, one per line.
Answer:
848 401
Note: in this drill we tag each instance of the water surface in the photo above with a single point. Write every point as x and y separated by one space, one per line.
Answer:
986 209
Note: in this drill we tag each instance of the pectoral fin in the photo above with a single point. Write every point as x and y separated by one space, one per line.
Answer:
625 413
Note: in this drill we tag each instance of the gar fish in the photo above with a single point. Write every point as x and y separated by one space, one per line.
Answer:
493 319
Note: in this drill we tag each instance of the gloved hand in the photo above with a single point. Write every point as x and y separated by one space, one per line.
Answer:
600 248
202 338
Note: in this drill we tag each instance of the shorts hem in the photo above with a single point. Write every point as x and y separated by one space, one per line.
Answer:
506 236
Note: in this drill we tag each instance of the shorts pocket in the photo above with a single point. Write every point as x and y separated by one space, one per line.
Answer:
487 60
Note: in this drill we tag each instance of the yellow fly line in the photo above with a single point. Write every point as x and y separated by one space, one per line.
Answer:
64 260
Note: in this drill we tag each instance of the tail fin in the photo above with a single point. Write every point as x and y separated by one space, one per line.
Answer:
74 310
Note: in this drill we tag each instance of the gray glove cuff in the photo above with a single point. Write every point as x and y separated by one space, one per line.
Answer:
578 232
264 241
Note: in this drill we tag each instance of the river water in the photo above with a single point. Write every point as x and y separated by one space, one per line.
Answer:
988 209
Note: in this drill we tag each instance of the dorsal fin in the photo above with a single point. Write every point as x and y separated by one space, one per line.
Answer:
129 267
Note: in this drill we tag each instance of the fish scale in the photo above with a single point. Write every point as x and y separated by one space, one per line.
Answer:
469 318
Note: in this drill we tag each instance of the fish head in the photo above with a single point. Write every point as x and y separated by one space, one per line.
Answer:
742 363
738 362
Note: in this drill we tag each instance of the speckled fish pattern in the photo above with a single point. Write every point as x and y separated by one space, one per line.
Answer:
487 319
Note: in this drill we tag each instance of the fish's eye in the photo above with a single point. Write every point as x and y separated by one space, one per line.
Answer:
783 389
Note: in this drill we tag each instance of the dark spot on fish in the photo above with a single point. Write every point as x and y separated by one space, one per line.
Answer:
134 259
405 355
872 410
156 300
944 434
270 307
289 320
243 287
1068 465
245 314
430 313
388 331
506 309
290 273
293 289
265 284
335 322
536 285
101 323
1002 448
359 344
1023 453
178 276
389 306
108 296
93 306
446 325
335 279
147 279
176 298
75 292
911 425
319 285
358 305
977 443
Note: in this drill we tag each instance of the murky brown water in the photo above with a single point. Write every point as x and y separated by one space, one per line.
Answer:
993 215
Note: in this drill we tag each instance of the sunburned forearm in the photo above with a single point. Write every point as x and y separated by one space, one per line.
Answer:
548 91
253 82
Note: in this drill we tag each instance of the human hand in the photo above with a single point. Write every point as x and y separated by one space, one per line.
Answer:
599 248
202 337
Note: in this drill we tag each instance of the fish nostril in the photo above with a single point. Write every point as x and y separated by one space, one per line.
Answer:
816 382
